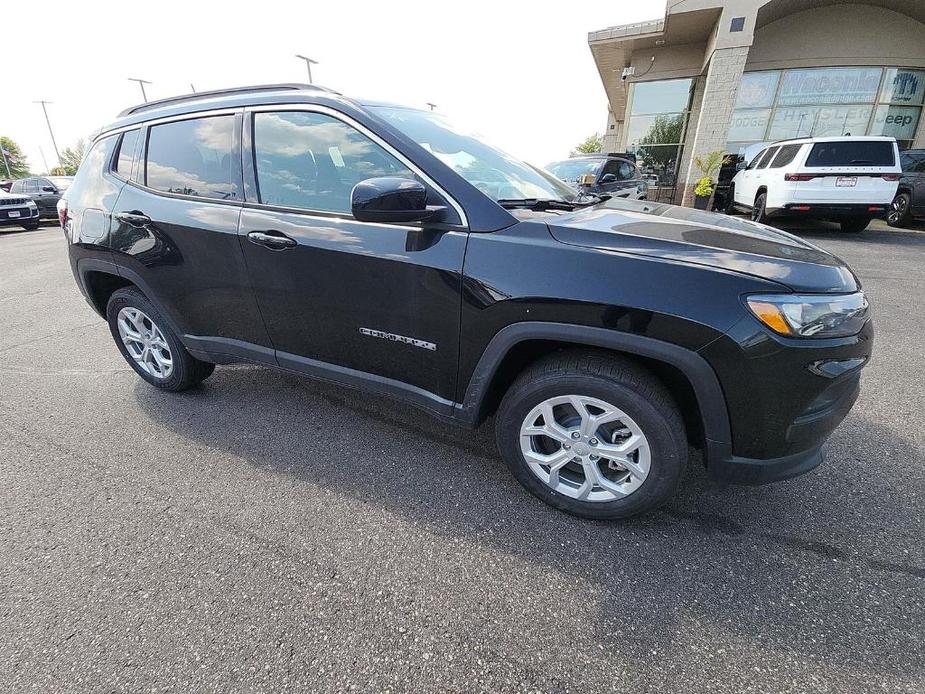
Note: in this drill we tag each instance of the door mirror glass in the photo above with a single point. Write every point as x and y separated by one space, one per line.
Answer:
48 189
741 166
390 199
608 178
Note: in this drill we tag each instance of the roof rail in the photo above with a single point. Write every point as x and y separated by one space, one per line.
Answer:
221 92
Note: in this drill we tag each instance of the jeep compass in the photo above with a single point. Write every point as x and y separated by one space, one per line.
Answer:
383 248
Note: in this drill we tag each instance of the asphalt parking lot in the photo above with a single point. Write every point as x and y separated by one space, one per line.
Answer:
266 533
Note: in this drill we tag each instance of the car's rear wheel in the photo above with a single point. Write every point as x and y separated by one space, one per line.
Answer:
853 225
899 210
759 211
149 345
592 435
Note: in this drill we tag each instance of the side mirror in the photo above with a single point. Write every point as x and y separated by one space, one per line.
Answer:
741 166
49 189
609 178
391 199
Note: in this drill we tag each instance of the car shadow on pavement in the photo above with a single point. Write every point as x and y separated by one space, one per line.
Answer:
795 567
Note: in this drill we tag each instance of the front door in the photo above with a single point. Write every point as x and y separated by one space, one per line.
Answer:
375 300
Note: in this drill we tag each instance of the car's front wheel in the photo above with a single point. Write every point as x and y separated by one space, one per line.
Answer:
593 435
854 225
32 226
149 345
899 210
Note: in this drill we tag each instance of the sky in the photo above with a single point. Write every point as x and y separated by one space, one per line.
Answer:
518 73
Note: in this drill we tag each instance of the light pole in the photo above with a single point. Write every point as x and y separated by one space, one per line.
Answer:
55 144
432 106
308 63
141 83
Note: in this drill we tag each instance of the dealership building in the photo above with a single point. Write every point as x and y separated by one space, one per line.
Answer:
717 75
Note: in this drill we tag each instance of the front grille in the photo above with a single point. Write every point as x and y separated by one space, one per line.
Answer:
13 201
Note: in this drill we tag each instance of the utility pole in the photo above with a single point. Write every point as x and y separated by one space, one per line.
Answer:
6 162
55 144
432 106
308 63
141 83
44 160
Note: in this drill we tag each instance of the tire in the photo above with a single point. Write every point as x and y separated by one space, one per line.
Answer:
594 377
185 371
759 213
854 225
31 227
899 213
730 207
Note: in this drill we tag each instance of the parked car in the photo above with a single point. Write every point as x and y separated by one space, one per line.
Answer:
910 194
608 174
381 248
18 210
849 180
45 190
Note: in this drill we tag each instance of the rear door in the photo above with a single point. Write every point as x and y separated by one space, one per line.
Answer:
176 232
376 299
850 171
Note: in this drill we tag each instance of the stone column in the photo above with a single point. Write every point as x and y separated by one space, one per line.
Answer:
719 96
612 134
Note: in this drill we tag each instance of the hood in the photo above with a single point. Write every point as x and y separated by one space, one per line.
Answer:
705 238
7 196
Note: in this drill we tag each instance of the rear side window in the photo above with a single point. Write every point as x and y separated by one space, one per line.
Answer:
851 153
312 161
126 159
785 155
766 159
194 157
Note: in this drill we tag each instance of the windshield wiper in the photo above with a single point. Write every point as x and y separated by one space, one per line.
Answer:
538 204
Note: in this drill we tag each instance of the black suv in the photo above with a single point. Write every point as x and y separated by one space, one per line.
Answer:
379 247
44 190
910 195
610 174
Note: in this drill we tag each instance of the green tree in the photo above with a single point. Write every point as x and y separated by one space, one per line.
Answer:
591 145
72 156
15 159
665 130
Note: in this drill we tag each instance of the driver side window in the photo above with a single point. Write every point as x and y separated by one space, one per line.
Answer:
312 161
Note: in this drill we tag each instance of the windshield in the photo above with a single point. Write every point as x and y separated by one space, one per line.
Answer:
573 169
59 182
498 175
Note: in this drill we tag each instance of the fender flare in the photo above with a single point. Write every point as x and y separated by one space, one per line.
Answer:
695 368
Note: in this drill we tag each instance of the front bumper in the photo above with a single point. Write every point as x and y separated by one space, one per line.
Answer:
824 210
784 398
25 215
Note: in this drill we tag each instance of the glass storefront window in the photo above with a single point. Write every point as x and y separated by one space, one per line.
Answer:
661 129
664 96
757 89
903 86
820 102
749 124
829 86
655 130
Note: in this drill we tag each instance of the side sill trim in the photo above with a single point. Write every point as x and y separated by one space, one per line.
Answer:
225 350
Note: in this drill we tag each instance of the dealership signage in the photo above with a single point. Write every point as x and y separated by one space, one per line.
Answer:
829 86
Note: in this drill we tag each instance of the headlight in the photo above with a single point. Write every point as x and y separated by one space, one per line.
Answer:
30 203
811 315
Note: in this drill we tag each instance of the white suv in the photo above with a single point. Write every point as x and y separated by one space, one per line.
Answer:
849 180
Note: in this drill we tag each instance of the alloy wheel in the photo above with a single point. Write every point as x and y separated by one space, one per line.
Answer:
585 448
897 210
145 342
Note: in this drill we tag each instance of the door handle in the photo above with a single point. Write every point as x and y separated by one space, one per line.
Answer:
274 240
135 219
